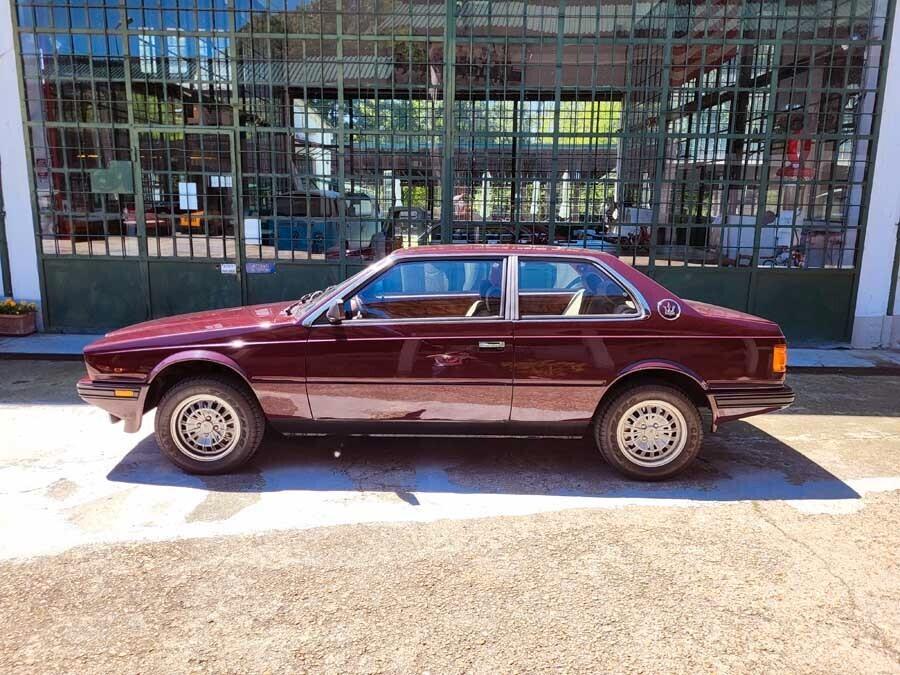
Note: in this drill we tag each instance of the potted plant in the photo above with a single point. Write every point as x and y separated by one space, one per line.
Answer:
17 318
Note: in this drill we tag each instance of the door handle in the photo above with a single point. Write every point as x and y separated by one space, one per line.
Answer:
492 344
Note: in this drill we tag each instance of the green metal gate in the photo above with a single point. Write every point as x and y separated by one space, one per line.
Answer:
209 153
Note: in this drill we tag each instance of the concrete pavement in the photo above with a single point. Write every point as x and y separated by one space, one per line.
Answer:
83 480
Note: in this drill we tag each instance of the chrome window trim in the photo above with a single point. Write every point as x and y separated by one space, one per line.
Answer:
628 287
560 292
437 319
310 320
512 283
425 296
511 277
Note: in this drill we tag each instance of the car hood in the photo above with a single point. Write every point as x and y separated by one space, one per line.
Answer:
717 312
210 324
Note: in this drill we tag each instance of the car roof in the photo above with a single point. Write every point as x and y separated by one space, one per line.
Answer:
499 249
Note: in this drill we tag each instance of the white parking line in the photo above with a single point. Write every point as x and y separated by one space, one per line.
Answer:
68 478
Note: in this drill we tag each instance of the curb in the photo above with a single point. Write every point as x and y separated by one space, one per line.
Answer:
845 370
25 356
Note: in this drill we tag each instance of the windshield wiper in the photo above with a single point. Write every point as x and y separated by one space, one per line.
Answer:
305 299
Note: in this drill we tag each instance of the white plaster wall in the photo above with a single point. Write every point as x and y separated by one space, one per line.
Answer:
23 262
872 325
892 323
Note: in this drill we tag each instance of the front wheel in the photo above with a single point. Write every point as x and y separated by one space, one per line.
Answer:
649 432
209 425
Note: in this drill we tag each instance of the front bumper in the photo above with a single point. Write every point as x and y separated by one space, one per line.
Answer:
122 400
735 403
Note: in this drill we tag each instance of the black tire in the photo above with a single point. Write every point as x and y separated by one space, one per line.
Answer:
605 431
250 416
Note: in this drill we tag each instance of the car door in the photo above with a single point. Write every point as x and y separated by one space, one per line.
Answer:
428 339
576 321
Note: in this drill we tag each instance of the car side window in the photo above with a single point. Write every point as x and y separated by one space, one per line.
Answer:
432 289
569 288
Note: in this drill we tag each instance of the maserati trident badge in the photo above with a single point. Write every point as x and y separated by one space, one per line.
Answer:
668 309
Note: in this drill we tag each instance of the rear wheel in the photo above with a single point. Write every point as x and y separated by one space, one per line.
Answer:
209 425
649 432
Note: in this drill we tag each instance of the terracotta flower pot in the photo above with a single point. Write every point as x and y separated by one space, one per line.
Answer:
17 324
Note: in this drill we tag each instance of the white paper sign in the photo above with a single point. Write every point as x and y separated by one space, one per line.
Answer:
228 268
220 181
252 230
187 196
786 218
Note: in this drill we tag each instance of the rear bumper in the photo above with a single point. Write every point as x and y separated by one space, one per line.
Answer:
735 403
122 400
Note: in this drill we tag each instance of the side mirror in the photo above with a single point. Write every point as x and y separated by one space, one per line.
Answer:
335 313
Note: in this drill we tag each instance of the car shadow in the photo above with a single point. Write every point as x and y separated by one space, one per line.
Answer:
741 462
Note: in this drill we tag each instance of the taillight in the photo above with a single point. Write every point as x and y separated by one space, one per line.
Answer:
779 359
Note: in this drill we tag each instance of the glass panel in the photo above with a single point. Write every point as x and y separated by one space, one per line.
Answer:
433 289
712 133
188 188
353 124
181 79
563 288
78 213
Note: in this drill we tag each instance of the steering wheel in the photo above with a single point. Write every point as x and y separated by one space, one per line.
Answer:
359 310
356 308
576 283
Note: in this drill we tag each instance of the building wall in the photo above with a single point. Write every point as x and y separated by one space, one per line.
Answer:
875 324
660 177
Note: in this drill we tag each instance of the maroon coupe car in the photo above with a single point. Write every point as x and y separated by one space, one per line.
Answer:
472 340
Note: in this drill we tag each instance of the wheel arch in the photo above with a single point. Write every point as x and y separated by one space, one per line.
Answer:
190 363
658 372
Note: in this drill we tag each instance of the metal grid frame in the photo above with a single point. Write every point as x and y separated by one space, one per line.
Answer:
702 118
